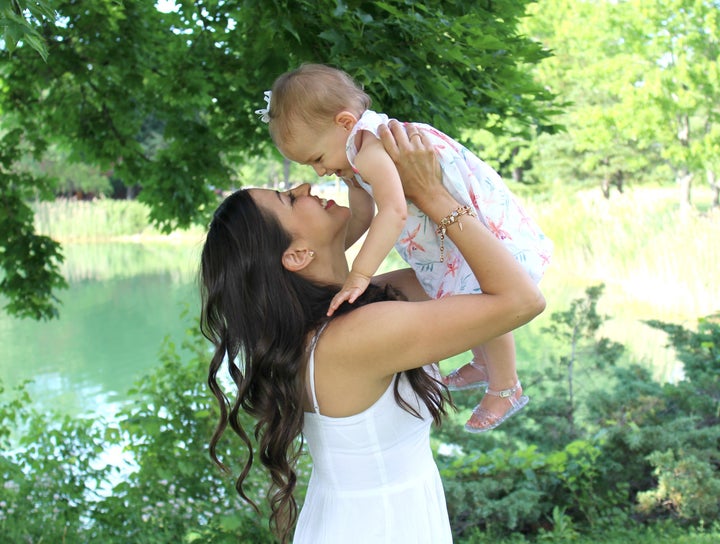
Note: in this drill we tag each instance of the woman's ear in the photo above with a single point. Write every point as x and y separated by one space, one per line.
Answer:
295 260
346 119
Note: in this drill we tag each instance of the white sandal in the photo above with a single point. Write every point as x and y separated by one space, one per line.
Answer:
455 382
516 404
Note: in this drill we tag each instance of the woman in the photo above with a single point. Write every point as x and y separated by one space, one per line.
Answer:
358 386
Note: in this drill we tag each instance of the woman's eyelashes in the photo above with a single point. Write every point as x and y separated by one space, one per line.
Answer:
292 197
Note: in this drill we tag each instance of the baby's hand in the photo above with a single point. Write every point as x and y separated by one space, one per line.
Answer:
355 286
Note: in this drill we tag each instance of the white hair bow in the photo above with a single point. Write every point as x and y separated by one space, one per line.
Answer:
264 113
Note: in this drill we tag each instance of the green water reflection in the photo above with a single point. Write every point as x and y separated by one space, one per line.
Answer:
122 301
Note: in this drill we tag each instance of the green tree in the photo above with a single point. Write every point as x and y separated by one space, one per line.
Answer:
199 72
577 330
679 44
591 70
16 22
643 80
70 178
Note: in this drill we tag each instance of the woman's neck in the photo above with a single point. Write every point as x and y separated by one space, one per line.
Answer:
330 268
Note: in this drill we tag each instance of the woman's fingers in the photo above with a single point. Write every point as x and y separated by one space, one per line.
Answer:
415 137
403 133
398 138
389 140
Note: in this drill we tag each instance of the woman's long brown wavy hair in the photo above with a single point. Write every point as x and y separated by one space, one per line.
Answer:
258 316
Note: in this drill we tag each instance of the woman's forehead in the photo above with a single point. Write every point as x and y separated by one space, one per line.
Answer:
265 197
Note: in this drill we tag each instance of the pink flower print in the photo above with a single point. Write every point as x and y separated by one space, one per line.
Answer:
545 258
496 229
524 217
410 243
487 200
452 267
436 132
444 137
474 200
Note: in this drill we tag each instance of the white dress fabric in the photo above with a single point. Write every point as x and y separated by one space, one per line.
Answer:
474 183
374 479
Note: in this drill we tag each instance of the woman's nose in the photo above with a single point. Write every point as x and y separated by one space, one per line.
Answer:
304 189
319 170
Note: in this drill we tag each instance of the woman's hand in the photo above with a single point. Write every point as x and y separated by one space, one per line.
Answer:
415 160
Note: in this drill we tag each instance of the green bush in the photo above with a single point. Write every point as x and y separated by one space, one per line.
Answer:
49 472
601 445
60 485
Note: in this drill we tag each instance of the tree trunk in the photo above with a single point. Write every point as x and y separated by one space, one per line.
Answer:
616 179
714 183
605 187
518 172
684 180
570 369
684 177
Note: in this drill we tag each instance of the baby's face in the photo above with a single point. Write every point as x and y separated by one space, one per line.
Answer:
322 149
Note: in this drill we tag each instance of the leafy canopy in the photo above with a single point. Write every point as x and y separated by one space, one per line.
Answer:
197 72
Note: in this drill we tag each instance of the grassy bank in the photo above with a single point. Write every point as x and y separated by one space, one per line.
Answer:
101 220
639 243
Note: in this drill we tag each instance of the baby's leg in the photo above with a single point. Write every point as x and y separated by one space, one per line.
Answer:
504 396
471 375
476 374
499 357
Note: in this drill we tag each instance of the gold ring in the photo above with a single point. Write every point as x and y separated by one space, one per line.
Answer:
414 134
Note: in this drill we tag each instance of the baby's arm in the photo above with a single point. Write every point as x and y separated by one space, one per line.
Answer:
377 169
362 208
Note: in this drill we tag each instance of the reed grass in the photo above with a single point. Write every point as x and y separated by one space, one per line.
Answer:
70 220
641 244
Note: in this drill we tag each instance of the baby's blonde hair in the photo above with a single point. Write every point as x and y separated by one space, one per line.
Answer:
312 95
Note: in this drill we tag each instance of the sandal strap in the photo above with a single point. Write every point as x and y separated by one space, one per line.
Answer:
504 393
479 366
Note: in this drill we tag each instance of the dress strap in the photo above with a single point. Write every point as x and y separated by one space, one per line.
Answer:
311 368
311 377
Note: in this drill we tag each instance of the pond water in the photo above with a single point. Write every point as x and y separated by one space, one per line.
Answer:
125 298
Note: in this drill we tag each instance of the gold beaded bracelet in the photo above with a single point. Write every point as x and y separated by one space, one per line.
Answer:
450 219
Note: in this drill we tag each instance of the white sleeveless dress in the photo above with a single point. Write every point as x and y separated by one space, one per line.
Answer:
374 479
474 183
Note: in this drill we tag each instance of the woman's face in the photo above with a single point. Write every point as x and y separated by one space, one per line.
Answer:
310 220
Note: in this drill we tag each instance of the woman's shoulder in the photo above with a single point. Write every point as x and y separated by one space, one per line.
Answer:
353 331
381 337
349 368
363 316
